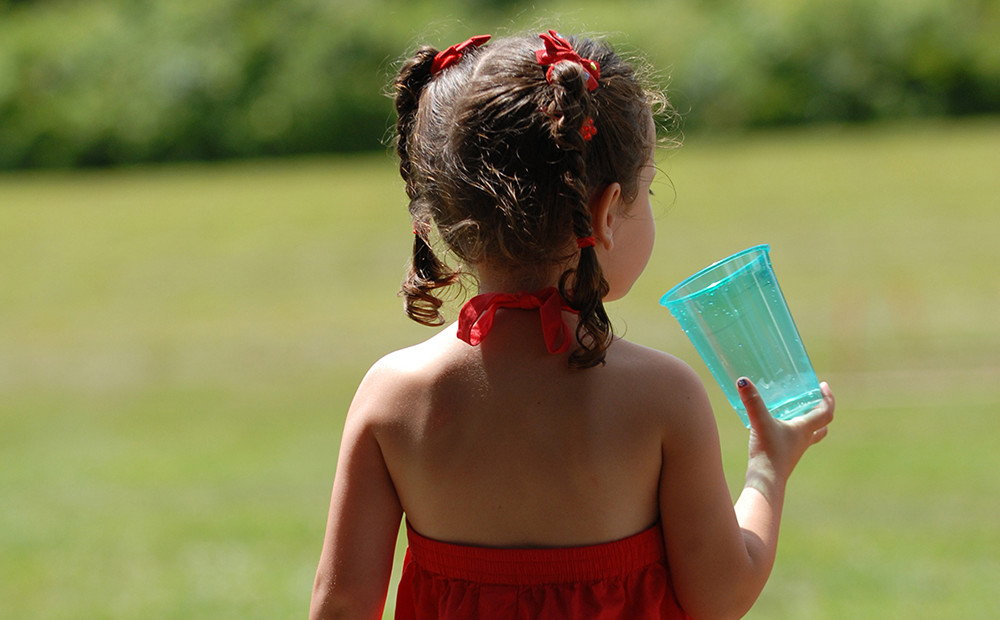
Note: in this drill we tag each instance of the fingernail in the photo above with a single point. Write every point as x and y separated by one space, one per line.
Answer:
743 382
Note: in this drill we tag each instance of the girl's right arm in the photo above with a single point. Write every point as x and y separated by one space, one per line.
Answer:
720 556
365 513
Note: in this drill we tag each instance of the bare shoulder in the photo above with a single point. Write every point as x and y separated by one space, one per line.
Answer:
399 381
656 369
666 386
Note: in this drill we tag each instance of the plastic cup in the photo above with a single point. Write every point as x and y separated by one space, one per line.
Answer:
736 316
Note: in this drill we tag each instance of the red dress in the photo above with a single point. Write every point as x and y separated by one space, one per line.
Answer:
625 579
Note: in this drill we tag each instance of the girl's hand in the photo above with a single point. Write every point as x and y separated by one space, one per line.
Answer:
775 445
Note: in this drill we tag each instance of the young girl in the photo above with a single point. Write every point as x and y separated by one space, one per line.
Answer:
546 468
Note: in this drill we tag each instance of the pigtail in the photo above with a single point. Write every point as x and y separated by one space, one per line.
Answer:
583 288
413 77
594 332
426 271
426 274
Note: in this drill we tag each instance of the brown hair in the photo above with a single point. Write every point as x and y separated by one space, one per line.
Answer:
492 155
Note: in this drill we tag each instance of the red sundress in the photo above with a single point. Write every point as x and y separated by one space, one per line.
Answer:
625 579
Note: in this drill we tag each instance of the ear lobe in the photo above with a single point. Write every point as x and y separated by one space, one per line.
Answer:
603 212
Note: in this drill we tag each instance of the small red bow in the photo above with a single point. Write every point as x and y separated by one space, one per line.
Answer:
558 49
453 54
476 317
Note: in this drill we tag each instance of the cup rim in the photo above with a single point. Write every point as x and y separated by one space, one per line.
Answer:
668 298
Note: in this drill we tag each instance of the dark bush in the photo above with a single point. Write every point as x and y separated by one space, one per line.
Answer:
106 82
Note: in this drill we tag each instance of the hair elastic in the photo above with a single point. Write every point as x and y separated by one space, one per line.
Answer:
558 49
421 229
585 242
445 59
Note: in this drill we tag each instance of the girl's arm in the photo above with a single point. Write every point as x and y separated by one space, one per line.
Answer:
720 557
775 449
363 524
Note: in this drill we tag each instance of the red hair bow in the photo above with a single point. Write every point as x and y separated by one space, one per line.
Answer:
453 54
558 49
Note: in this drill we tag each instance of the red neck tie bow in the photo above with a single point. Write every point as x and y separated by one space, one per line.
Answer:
445 59
558 49
476 317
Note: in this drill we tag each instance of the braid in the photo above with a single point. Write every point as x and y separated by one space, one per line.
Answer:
410 83
570 108
594 330
426 272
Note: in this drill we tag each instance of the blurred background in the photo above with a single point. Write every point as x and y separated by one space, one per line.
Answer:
202 232
110 82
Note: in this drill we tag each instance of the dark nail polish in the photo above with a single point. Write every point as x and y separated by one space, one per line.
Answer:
742 383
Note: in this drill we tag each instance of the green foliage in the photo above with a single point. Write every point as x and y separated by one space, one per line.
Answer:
121 81
101 83
846 61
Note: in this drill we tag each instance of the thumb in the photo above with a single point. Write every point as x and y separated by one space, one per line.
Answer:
756 409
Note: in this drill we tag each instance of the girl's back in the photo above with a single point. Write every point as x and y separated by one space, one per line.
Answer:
504 445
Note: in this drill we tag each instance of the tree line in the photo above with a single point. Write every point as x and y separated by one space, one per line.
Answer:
106 82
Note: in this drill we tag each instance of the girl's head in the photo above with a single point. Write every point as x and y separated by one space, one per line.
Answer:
498 153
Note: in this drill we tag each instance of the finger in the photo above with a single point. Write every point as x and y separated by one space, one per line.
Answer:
754 403
828 404
816 418
818 436
824 387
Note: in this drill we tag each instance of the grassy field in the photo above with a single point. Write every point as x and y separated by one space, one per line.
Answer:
178 347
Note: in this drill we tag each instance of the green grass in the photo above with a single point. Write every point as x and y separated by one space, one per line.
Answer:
178 347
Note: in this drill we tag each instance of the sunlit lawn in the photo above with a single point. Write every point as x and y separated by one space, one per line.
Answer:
178 347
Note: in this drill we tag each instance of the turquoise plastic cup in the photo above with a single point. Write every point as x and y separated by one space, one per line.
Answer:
736 316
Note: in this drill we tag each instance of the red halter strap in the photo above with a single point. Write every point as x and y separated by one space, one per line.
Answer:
476 317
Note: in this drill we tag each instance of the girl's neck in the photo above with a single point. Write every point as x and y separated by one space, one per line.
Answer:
498 279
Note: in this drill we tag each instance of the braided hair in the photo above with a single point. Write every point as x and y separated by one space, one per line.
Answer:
426 272
493 156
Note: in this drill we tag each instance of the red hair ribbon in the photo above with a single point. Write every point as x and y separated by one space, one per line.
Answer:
445 59
476 318
558 49
585 242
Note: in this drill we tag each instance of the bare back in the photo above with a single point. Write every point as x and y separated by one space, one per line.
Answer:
505 445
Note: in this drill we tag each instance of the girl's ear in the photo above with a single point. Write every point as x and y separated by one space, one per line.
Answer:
603 213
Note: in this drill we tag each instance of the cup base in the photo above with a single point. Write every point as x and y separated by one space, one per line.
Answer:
797 406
